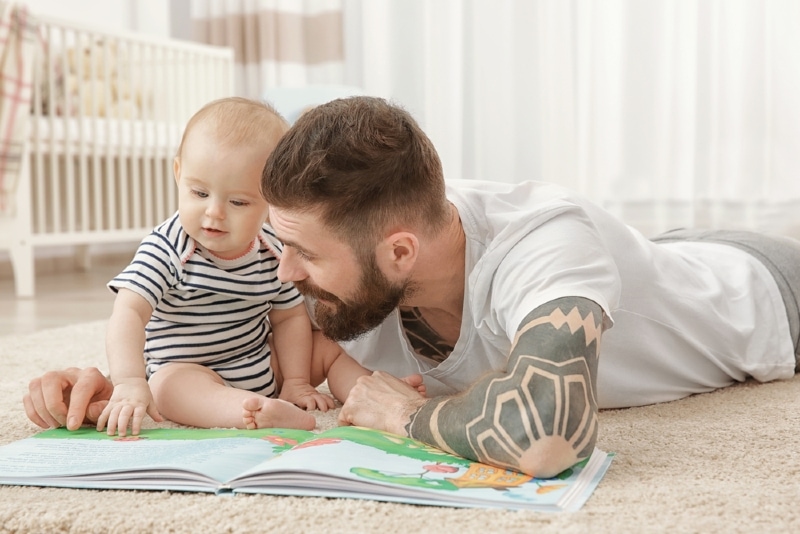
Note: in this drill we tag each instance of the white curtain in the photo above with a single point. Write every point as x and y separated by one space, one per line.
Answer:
668 112
276 42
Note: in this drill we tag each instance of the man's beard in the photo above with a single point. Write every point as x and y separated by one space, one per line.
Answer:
375 299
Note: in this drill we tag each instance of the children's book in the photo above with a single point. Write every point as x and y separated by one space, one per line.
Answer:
345 461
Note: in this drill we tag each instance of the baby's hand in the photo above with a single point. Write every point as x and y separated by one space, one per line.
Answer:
129 403
415 381
305 396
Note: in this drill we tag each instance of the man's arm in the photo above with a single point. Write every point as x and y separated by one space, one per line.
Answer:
539 416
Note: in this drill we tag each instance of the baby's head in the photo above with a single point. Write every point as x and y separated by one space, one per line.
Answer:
218 171
236 121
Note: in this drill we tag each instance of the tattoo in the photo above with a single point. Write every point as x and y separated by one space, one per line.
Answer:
540 413
425 340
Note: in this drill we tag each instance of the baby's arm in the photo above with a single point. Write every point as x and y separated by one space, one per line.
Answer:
330 362
291 337
333 364
125 340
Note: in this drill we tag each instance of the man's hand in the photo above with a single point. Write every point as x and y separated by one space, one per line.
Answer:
383 402
68 397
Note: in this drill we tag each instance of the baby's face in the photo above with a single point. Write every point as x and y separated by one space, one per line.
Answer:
219 196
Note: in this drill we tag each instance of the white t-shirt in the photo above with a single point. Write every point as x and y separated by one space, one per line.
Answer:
684 317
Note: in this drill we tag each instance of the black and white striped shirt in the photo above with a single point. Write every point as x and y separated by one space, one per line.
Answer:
208 310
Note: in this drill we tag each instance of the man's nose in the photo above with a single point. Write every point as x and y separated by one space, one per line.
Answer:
289 268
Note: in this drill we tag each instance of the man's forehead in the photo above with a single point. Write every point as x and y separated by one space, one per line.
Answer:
284 221
306 231
294 226
291 218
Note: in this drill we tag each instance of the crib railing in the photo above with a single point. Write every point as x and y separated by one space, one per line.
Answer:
107 116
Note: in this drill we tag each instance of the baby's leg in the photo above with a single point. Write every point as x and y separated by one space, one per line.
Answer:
194 395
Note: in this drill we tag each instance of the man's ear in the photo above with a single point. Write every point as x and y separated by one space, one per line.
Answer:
176 168
398 253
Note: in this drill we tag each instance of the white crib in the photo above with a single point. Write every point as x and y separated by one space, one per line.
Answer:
107 114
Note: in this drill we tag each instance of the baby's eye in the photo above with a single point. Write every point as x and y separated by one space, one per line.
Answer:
199 194
240 203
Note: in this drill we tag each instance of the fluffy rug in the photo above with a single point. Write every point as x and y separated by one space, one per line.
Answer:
727 461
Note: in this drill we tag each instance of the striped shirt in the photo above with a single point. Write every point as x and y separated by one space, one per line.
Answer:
208 310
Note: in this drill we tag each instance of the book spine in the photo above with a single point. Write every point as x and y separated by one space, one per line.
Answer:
225 490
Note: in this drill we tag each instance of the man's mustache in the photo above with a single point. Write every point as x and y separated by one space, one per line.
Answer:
310 290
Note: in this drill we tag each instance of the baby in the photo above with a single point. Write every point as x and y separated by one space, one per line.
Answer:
220 334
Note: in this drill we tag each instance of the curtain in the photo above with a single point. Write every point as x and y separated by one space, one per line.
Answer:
276 42
18 38
668 112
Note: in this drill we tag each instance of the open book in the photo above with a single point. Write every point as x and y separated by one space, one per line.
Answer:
342 462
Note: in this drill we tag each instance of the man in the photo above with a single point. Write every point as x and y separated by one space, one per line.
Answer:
501 296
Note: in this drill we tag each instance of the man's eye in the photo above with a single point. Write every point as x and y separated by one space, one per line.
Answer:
302 255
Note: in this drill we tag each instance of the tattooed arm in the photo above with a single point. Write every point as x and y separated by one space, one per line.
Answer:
538 416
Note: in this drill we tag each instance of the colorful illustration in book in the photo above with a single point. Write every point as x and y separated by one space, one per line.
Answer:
129 438
341 461
281 443
476 475
439 470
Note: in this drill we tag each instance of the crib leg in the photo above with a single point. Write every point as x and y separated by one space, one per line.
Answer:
22 265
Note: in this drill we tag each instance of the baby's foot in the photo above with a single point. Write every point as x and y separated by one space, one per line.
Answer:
262 412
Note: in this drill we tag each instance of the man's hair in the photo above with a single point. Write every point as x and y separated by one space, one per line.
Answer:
362 165
238 121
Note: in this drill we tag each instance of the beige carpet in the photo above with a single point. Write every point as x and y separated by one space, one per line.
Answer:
722 462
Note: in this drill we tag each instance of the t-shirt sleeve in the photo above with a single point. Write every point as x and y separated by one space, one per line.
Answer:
288 297
154 269
563 257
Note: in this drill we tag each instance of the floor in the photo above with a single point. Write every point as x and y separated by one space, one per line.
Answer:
62 298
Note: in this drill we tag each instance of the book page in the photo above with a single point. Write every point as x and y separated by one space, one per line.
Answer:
170 457
340 462
359 462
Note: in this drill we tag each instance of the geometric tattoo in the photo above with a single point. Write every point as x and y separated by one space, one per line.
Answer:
539 415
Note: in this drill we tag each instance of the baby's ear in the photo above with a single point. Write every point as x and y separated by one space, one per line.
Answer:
176 168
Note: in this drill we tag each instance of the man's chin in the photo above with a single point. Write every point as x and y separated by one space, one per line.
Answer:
339 337
334 329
